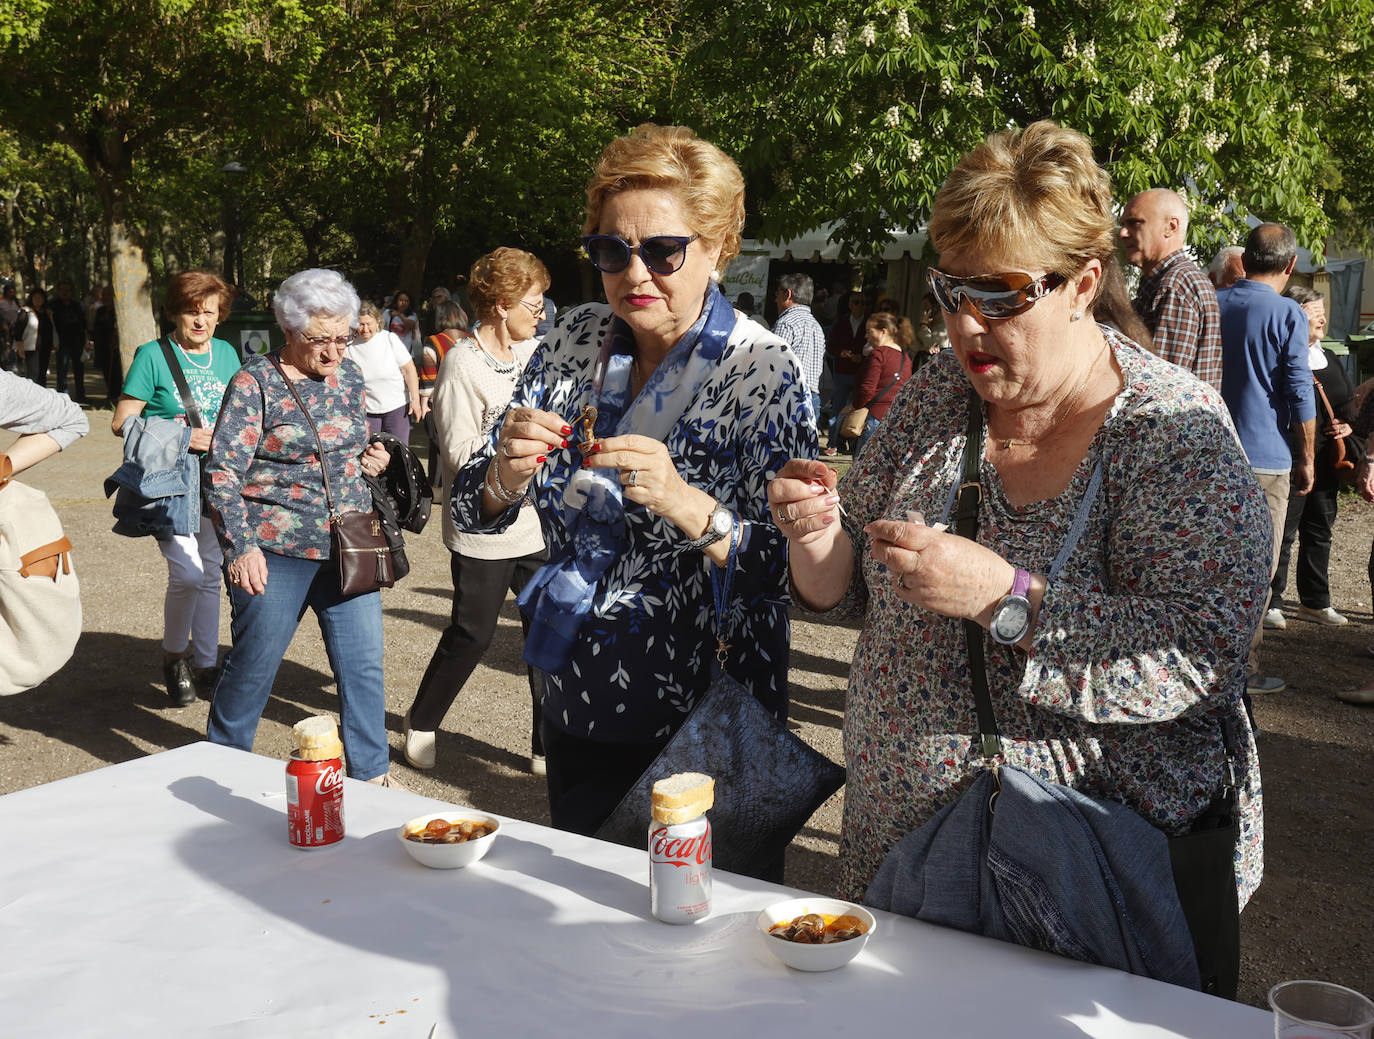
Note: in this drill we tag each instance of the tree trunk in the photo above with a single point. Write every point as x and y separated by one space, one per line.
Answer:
132 289
419 240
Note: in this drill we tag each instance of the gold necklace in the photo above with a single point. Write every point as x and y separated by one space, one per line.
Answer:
1060 412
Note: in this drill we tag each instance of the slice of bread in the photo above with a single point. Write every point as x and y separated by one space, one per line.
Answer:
682 797
331 750
315 733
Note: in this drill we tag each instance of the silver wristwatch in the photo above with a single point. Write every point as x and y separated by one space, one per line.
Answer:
718 527
1011 617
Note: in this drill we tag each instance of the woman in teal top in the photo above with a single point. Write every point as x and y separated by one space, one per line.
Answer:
195 303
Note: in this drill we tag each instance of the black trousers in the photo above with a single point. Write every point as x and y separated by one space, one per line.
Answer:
71 356
587 778
479 590
37 362
1309 521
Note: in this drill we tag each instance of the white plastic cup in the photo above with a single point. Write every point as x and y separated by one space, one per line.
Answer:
1320 1010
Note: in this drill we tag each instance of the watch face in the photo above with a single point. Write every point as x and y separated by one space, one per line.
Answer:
721 522
1011 619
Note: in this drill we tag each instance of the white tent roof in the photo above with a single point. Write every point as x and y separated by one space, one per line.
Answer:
817 245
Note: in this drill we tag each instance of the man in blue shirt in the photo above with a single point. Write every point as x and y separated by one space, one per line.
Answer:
1267 384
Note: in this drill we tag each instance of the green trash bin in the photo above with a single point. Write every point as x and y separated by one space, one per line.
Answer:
251 331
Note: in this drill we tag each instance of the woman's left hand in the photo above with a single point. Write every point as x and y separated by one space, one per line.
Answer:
375 459
647 473
1339 430
200 439
940 571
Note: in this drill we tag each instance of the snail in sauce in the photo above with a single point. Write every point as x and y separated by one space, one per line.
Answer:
445 831
818 929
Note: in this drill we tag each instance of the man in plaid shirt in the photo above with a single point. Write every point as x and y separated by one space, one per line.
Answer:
798 328
1176 301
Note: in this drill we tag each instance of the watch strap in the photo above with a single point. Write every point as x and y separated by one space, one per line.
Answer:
1021 583
713 535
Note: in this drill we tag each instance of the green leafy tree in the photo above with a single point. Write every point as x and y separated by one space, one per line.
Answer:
857 110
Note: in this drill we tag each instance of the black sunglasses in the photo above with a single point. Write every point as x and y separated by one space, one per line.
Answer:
994 296
661 253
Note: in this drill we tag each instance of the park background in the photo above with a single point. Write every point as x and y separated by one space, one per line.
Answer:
398 141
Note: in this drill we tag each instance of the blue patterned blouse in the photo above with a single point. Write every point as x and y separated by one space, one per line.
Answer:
645 652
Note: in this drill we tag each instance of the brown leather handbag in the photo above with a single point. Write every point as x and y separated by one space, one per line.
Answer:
357 540
1340 455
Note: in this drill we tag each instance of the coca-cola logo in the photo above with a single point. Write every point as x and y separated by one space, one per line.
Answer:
329 780
681 851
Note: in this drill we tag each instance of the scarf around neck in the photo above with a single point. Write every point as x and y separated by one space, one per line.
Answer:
559 596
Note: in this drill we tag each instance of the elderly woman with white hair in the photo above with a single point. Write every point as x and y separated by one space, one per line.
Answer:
266 492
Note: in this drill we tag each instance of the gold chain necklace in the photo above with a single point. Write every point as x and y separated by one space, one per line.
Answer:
1059 414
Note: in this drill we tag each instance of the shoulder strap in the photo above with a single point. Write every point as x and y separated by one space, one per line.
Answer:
319 445
966 526
883 392
193 416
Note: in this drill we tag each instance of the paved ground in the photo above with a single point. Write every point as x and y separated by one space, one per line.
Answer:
1311 917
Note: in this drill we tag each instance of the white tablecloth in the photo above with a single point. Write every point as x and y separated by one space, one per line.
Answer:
160 898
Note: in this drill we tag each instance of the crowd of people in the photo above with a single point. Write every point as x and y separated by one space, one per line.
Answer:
617 467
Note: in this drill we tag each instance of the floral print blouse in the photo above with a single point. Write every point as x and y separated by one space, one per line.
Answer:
646 650
1140 643
262 478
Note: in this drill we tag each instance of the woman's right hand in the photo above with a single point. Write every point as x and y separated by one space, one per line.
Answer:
526 438
803 501
249 572
200 439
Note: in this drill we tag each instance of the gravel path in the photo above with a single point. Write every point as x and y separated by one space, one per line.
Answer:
1311 917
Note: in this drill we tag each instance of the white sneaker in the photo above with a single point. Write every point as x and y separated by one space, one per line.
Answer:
419 747
389 781
1326 615
1274 618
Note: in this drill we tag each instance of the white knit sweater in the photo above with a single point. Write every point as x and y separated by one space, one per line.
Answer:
470 397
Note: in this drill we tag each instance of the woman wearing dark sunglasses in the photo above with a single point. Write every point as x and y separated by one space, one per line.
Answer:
1114 669
695 406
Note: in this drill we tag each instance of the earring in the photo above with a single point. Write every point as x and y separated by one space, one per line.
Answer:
1077 315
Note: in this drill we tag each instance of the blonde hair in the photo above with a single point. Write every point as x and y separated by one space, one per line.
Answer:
705 181
502 277
1033 198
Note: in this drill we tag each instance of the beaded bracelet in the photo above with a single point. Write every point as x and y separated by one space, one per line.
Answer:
498 489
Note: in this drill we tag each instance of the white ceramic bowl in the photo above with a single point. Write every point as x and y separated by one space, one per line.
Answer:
448 856
814 957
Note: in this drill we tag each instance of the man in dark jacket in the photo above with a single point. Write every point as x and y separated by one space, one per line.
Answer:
69 327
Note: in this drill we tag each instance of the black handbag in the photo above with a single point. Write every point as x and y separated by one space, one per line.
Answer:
768 780
357 539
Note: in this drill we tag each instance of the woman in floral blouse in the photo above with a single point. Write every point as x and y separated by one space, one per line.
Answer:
266 496
1116 676
696 409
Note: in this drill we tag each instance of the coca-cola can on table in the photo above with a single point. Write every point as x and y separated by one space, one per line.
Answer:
314 802
680 870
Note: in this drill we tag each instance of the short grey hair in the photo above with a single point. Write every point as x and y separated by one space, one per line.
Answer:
1223 257
314 293
369 309
800 286
1269 249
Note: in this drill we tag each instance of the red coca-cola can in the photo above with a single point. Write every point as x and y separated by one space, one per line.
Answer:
314 802
680 870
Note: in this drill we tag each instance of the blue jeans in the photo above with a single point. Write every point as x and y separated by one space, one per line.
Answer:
870 427
263 626
816 408
842 389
